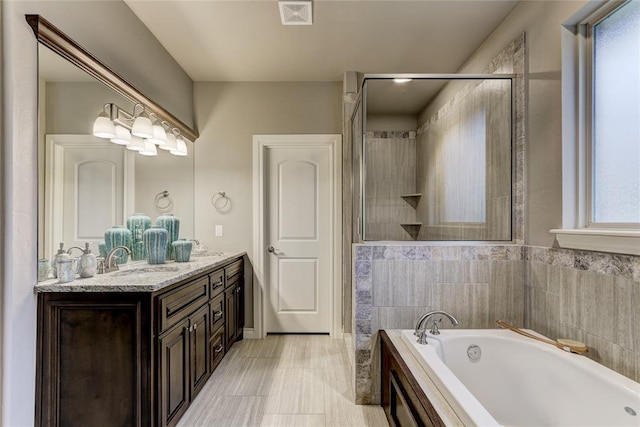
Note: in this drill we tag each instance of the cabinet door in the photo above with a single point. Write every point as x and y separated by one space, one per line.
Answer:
174 374
199 346
230 297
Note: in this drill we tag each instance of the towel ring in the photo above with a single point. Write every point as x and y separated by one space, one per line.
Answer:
163 205
221 202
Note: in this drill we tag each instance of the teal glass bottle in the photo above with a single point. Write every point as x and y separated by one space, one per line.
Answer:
137 224
171 223
155 242
115 236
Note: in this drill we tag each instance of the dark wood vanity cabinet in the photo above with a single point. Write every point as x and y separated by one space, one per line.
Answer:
134 359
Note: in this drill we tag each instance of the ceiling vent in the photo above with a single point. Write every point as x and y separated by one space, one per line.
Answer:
296 12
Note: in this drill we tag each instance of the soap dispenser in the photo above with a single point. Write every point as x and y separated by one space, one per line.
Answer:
60 256
88 263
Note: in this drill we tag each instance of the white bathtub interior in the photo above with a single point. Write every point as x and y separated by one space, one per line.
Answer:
517 381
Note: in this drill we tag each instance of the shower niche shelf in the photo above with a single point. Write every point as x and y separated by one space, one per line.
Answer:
412 199
412 228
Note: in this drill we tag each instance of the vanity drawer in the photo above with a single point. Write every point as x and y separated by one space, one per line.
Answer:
217 313
216 349
234 269
177 305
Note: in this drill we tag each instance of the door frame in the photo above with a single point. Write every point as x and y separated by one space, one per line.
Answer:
262 143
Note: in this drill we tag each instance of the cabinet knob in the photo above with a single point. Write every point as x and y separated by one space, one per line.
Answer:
218 314
195 326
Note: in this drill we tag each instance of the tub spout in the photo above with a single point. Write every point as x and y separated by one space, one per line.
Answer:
420 330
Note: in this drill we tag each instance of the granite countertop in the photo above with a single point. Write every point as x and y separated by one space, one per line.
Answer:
139 276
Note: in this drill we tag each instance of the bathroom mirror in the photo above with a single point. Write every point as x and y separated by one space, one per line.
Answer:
88 184
436 158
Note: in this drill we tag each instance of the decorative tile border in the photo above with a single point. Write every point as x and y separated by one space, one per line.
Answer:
391 134
626 266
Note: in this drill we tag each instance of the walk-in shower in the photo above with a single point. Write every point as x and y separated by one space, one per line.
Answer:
433 157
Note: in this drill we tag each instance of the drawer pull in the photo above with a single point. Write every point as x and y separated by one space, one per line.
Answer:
195 326
218 284
218 314
218 349
190 328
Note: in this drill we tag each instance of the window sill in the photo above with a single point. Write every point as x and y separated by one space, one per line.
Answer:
601 240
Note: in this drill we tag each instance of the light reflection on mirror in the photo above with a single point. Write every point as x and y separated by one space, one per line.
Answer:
87 184
437 159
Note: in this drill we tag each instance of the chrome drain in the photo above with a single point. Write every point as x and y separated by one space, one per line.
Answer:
474 352
630 411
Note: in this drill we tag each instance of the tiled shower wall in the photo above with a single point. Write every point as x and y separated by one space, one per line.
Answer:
587 296
392 156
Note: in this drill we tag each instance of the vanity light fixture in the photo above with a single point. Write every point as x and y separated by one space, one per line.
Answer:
401 80
137 144
159 134
123 136
172 143
124 128
142 126
149 149
181 149
103 127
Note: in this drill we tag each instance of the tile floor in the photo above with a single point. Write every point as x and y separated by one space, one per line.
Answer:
282 381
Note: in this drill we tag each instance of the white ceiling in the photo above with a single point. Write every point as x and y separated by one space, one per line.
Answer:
238 40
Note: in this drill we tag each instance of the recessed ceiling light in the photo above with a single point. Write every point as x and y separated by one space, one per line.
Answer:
297 12
402 80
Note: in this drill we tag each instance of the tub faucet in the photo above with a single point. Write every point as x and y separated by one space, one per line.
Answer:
420 332
110 261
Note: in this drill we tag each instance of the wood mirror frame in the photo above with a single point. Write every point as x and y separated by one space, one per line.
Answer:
53 38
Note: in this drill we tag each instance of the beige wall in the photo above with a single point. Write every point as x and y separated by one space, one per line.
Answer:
541 20
228 115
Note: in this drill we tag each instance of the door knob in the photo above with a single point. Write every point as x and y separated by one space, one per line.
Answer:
271 249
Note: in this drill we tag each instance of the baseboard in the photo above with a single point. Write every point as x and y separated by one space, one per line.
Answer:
248 333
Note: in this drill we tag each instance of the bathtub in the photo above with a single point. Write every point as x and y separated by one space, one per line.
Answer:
497 377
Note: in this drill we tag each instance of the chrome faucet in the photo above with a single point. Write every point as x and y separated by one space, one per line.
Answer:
421 332
110 261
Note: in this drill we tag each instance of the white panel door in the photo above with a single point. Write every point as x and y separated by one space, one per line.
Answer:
93 194
298 236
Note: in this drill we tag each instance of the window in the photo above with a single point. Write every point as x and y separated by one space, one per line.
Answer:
615 115
601 159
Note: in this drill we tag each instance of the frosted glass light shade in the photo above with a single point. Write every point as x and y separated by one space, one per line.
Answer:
159 135
171 143
137 144
181 149
149 149
142 127
103 127
123 136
